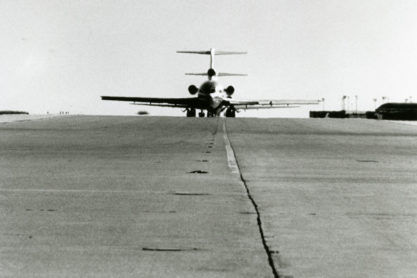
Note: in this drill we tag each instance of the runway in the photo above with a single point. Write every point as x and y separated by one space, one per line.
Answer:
110 196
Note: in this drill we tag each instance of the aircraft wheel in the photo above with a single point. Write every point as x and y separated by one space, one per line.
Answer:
191 113
230 112
201 114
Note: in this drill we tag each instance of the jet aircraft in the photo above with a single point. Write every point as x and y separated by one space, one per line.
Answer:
211 96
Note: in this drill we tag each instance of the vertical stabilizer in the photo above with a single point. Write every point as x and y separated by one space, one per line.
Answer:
212 52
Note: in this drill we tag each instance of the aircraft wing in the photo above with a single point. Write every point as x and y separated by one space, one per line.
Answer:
268 104
258 106
193 102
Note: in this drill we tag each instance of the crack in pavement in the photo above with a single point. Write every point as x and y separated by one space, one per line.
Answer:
235 168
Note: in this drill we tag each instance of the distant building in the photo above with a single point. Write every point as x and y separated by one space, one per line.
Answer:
387 111
342 114
397 111
10 112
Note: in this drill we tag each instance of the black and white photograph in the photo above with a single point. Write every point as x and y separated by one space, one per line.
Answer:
222 138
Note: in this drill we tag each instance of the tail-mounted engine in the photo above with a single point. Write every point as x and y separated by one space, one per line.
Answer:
229 91
192 89
211 72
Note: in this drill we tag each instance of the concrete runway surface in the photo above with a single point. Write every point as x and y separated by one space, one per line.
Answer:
93 196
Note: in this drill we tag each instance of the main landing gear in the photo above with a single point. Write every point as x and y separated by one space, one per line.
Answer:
191 112
201 114
230 112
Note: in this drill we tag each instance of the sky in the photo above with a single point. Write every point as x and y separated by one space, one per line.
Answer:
63 55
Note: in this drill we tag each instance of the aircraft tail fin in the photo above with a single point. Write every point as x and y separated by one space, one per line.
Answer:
212 52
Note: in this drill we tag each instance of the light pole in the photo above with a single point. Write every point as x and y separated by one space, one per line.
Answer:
356 104
348 103
343 102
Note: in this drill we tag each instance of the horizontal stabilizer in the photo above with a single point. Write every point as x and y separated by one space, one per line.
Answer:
217 74
201 73
219 52
194 52
231 74
212 52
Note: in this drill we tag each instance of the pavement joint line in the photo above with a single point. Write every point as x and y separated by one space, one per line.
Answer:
231 160
234 165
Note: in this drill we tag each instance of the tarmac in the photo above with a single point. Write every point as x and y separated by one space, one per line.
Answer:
112 196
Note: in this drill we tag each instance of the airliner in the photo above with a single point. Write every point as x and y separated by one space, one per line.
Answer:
211 97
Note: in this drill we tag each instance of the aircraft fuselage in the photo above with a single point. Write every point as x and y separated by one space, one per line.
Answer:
214 93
